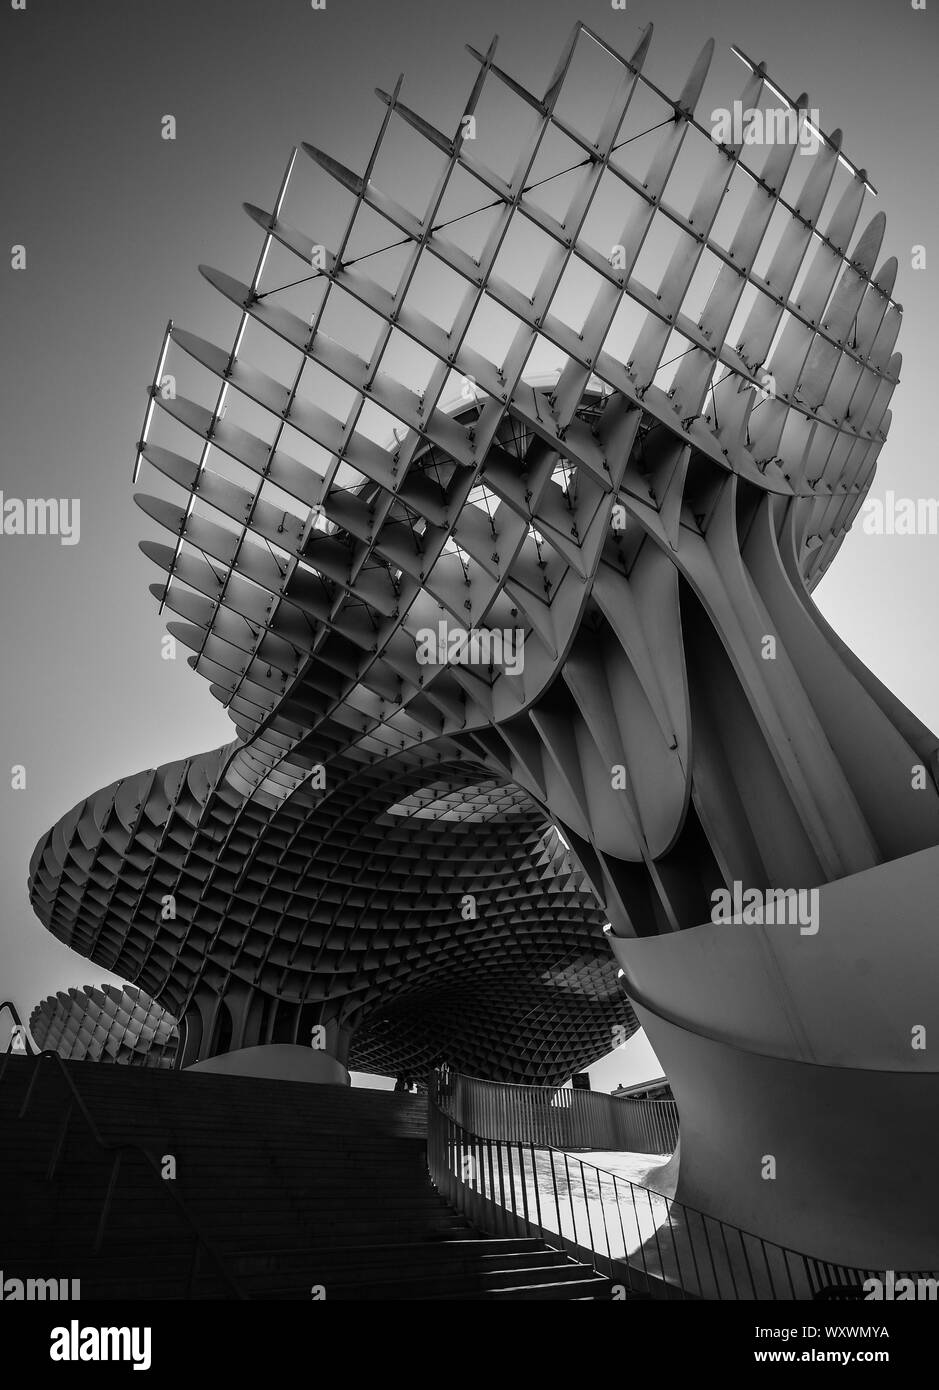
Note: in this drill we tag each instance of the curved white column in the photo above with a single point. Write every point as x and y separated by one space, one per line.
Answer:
804 1066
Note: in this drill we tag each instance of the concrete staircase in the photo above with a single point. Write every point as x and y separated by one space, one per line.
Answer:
305 1191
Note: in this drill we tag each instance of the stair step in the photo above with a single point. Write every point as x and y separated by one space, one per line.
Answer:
295 1185
591 1286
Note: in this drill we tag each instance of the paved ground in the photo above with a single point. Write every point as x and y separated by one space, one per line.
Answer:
641 1168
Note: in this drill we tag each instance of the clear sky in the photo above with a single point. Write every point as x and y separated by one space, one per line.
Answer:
115 221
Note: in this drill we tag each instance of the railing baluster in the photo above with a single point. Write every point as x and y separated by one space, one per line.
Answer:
508 1159
730 1264
521 1164
554 1184
492 1186
521 1118
534 1170
59 1144
29 1089
570 1198
641 1242
792 1286
606 1233
619 1213
587 1205
694 1258
655 1233
707 1241
671 1231
746 1259
769 1272
106 1207
505 1215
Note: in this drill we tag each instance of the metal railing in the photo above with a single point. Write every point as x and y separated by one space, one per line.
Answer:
647 1244
119 1152
20 1027
562 1118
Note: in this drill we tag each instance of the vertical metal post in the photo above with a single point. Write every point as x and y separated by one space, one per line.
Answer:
534 1170
106 1207
59 1143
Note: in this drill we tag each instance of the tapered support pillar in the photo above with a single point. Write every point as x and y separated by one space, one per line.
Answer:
232 1034
805 1065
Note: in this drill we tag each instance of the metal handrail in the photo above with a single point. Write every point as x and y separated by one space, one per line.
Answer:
24 1031
562 1118
201 1242
650 1245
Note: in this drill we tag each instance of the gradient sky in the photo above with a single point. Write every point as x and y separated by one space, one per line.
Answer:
115 221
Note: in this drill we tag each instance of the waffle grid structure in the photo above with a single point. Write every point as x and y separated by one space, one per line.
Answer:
645 520
106 1024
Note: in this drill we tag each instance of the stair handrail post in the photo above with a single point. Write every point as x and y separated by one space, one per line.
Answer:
9 1006
106 1204
77 1102
59 1144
